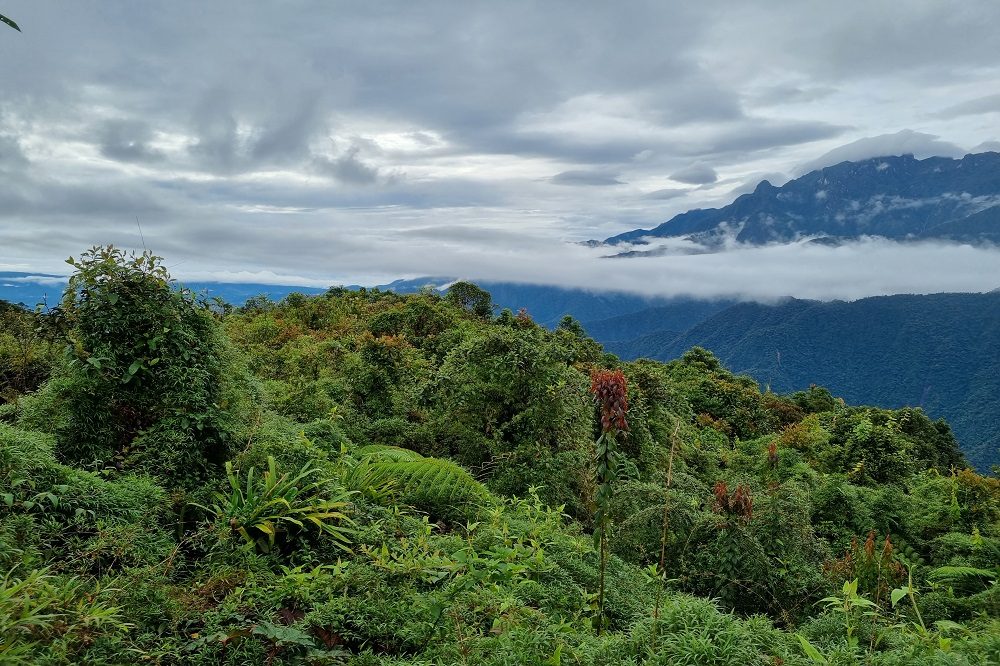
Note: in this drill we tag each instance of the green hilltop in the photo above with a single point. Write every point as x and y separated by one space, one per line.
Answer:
369 478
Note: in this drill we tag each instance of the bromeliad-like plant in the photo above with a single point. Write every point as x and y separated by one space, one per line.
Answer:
610 391
260 509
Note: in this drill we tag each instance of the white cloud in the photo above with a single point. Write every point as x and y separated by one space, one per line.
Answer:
903 142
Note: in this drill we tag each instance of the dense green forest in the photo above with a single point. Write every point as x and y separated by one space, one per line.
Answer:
938 351
369 478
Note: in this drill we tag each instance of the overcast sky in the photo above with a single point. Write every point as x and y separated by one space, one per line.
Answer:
340 142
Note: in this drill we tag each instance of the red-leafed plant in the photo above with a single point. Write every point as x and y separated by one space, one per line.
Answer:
609 388
737 504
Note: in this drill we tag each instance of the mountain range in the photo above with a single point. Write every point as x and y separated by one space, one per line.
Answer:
896 197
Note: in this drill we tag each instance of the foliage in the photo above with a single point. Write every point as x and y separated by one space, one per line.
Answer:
278 505
27 351
439 487
389 479
609 388
40 610
4 19
471 298
146 385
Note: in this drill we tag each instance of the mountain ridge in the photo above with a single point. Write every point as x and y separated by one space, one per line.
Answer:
940 352
897 197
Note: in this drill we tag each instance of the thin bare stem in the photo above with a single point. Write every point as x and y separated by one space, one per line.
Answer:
662 570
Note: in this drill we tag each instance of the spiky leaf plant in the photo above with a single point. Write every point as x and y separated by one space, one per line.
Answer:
261 509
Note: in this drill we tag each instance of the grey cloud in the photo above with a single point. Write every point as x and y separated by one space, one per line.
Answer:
580 177
762 134
12 157
987 104
665 194
348 168
227 140
476 103
127 141
926 41
904 142
987 146
787 93
215 125
288 136
695 174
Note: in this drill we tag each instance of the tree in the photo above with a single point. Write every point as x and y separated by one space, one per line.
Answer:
471 298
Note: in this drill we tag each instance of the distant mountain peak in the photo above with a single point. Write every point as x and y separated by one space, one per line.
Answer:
764 186
896 196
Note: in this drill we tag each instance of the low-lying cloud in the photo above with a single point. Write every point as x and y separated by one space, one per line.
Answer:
868 267
850 271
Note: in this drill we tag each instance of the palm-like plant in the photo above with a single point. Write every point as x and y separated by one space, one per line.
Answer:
259 509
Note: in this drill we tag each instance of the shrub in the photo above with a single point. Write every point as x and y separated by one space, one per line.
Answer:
149 372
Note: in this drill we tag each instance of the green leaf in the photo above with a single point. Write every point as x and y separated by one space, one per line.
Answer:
113 298
898 594
134 368
947 625
4 19
814 655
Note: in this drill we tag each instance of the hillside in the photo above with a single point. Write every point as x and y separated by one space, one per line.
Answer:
31 289
547 304
379 479
940 352
899 197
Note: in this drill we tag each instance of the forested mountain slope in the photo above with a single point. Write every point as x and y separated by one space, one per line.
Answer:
371 478
940 352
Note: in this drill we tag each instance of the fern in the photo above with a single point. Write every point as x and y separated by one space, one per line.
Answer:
385 453
437 486
962 577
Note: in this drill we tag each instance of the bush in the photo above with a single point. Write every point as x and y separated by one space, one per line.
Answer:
148 385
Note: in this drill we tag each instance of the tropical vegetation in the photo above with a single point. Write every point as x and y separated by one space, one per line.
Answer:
369 478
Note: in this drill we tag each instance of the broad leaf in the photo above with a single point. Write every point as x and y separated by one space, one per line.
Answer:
814 655
4 19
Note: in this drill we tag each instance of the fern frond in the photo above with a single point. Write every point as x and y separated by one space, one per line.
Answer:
431 484
386 453
961 575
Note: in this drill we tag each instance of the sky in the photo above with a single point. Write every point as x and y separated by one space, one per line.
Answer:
358 142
